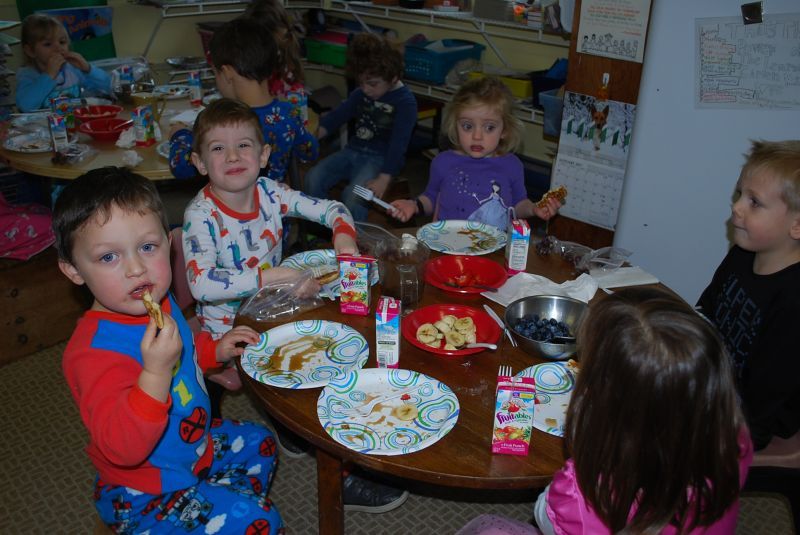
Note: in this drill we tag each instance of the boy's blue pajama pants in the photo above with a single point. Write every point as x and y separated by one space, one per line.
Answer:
231 499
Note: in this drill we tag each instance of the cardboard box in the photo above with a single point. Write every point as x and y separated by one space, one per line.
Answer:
387 332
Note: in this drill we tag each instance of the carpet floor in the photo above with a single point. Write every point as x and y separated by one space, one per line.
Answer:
47 478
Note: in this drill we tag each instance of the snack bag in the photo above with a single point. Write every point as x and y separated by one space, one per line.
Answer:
519 238
387 332
354 281
144 126
513 415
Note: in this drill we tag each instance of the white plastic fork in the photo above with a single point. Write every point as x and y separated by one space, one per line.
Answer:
366 409
369 195
505 371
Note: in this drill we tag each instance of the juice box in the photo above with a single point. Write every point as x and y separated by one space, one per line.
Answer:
58 131
195 88
354 281
513 415
519 238
144 126
387 332
64 106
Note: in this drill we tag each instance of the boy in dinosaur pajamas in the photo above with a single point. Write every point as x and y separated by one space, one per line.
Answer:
233 228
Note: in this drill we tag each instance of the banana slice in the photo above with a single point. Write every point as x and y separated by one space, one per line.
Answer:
470 337
443 327
435 344
449 319
427 333
455 339
464 325
405 412
450 347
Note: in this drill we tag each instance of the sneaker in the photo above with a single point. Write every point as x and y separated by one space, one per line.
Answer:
369 496
289 443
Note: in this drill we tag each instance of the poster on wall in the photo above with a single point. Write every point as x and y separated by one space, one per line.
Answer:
592 156
747 66
614 29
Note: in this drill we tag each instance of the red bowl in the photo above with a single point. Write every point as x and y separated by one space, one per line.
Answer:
104 129
463 271
487 330
102 111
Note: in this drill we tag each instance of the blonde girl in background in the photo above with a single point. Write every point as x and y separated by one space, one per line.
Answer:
51 69
481 178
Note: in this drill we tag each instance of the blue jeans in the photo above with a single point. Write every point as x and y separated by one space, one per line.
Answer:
356 166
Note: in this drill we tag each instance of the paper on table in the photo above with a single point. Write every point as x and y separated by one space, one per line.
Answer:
186 116
525 284
624 276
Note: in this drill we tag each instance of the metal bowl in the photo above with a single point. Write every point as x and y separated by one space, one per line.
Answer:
565 309
186 62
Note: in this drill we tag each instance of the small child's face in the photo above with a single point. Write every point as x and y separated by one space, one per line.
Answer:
761 219
480 129
119 259
57 43
375 86
232 156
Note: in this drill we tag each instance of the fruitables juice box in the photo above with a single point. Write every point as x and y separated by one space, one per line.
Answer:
519 238
387 332
354 280
513 415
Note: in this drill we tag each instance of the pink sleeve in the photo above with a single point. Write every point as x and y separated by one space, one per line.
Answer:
567 510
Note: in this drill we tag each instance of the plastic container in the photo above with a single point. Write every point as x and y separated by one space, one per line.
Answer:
553 109
540 82
520 87
430 61
327 53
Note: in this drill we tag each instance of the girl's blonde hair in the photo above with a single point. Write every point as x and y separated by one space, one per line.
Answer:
36 28
486 91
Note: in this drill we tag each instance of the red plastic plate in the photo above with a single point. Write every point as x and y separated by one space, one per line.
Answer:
464 270
487 329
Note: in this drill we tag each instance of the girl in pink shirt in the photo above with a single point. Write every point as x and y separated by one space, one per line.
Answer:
656 439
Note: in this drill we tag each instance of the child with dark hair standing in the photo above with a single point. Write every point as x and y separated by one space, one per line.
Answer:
481 178
754 297
656 440
385 112
52 69
164 466
244 58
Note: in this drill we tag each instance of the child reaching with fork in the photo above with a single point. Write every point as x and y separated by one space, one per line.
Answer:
482 178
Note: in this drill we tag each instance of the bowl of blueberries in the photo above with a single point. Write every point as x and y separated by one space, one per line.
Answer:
546 324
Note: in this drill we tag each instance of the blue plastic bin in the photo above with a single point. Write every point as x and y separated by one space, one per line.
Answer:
430 61
553 109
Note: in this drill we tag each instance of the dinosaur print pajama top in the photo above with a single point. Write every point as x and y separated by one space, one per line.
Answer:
226 251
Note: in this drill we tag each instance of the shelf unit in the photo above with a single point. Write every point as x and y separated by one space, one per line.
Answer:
453 21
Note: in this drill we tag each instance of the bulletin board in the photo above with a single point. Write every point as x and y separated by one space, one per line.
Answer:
747 65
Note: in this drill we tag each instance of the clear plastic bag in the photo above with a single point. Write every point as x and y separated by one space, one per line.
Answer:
282 301
585 259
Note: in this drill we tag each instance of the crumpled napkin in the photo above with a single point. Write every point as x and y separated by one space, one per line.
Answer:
131 158
623 276
525 284
186 116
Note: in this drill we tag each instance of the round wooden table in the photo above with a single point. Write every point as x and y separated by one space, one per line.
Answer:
463 457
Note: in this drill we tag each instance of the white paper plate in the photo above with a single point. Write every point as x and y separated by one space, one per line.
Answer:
208 99
36 118
554 386
462 237
163 149
305 354
382 432
31 143
173 91
324 257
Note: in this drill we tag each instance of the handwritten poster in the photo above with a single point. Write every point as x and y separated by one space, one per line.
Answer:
748 66
592 156
614 28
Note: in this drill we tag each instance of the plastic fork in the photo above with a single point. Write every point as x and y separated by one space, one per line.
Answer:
368 195
505 371
502 325
366 409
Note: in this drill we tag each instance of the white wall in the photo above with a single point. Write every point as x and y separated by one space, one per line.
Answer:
684 162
